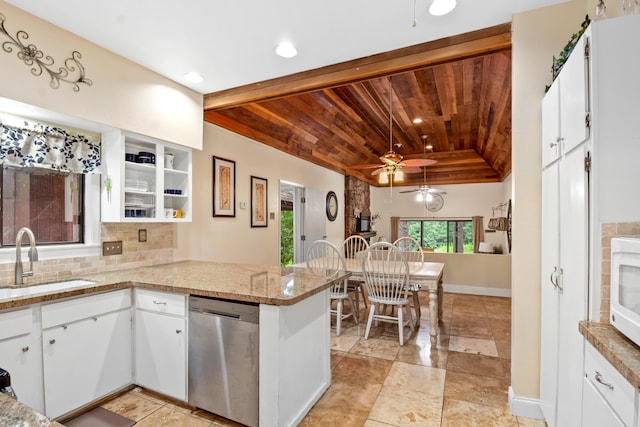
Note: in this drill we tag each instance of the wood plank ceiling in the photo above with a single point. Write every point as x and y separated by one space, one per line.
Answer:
338 116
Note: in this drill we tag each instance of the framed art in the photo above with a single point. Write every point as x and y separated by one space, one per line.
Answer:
259 199
224 187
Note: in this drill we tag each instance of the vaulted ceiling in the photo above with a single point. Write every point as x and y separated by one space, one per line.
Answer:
338 116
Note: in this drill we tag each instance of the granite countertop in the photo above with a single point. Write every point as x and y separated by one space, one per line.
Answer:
262 284
16 414
621 352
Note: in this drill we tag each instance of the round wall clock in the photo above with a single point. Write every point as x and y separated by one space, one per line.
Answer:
332 206
435 204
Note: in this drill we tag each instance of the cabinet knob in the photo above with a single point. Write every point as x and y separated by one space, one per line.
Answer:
52 341
95 319
64 327
178 331
159 302
25 349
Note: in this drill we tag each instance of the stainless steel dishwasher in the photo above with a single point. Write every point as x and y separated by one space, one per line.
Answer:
223 358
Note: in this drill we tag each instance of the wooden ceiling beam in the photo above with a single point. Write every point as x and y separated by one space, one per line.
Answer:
470 44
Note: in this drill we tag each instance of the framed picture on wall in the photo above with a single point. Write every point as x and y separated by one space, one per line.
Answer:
259 197
224 187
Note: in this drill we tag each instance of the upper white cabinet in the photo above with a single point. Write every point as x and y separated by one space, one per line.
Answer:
144 179
585 183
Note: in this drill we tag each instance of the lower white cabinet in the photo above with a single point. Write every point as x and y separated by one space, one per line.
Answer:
86 344
20 355
161 342
607 398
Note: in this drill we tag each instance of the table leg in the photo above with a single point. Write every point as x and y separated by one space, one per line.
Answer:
440 300
433 314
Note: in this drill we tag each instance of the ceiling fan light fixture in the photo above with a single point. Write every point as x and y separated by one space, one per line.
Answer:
398 176
383 178
441 7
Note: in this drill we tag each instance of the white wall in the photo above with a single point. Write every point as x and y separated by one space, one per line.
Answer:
123 94
232 239
461 201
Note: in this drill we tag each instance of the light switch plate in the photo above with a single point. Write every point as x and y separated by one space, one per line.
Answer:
112 248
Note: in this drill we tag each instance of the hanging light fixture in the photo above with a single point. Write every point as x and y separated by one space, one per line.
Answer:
441 7
392 172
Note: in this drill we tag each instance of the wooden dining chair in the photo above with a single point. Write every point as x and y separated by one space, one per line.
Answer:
325 259
387 278
414 254
354 247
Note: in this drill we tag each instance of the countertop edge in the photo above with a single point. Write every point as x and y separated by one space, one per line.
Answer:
617 349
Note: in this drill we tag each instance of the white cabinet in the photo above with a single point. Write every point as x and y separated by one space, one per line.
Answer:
138 185
608 399
86 349
597 103
161 342
21 355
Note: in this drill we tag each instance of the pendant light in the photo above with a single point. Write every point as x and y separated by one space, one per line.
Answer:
391 172
441 7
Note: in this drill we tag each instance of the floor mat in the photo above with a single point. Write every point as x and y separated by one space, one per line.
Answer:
100 417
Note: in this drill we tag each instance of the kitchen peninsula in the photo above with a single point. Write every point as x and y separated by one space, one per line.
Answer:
294 322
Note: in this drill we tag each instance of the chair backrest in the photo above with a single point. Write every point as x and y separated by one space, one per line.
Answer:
325 259
354 247
412 251
386 274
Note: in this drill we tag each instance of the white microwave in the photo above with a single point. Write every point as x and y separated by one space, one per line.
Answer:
625 286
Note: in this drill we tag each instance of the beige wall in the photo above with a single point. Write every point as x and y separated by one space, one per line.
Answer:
123 95
232 239
482 274
536 36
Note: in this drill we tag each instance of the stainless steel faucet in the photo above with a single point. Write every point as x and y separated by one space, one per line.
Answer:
33 254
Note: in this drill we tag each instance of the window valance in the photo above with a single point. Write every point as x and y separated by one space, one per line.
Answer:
28 144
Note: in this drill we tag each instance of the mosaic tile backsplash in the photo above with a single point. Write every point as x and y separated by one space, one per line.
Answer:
158 249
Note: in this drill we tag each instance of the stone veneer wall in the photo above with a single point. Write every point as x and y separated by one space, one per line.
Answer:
357 196
158 249
622 229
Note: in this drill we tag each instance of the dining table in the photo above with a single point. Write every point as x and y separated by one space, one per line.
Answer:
428 275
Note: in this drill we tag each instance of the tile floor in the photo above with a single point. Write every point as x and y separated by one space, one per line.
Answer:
462 381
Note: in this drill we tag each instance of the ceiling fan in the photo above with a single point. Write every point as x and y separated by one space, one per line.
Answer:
424 189
393 164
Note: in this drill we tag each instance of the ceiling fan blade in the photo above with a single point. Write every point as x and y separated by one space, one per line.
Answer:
410 169
371 166
419 162
377 171
410 191
436 191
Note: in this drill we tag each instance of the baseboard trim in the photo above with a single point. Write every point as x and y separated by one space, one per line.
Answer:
476 290
524 406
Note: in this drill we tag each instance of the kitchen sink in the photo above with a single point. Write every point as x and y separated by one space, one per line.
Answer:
13 292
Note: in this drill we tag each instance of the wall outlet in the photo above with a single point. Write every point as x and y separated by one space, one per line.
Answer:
112 248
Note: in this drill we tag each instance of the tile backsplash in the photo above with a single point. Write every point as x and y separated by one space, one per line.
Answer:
620 229
158 249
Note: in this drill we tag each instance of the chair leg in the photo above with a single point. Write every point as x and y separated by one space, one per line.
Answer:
354 311
364 297
416 303
372 309
339 318
412 323
400 325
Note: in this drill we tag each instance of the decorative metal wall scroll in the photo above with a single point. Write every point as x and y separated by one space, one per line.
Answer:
72 72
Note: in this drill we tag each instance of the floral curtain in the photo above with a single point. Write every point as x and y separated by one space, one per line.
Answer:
24 144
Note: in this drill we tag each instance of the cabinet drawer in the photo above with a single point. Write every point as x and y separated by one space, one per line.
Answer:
161 302
617 391
14 323
81 308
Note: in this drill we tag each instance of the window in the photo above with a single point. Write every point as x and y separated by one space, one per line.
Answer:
48 202
441 235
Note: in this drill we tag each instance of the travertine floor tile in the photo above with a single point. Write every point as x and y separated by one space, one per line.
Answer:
456 413
166 417
530 422
344 342
354 369
477 389
476 364
473 345
132 405
373 347
423 355
471 326
408 380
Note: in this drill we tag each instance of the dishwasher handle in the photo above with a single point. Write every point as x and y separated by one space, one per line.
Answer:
208 312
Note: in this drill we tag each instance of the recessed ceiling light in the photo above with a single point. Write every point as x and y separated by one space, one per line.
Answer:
286 50
417 120
193 77
441 7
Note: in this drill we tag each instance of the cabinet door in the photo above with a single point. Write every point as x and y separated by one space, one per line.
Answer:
574 105
551 124
595 410
161 353
573 283
549 293
21 358
86 360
